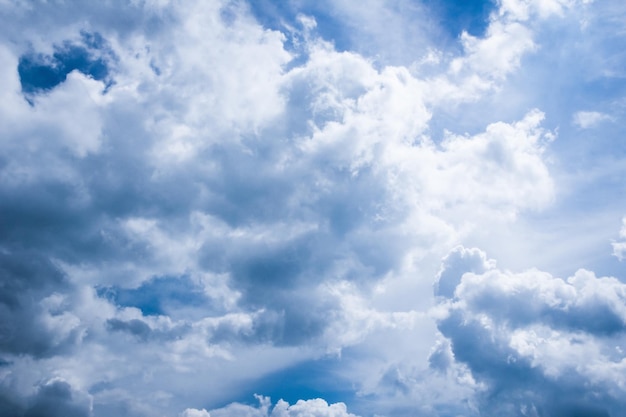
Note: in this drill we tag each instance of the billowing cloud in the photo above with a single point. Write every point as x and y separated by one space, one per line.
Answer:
309 408
198 198
529 336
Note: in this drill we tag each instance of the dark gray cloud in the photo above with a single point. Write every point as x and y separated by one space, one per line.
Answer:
144 331
31 303
53 398
135 327
56 398
10 404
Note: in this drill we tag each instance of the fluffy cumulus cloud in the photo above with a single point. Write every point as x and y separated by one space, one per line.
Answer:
54 397
205 201
303 408
541 345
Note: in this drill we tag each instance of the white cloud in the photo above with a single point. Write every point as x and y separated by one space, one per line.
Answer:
192 412
589 119
302 408
312 408
518 332
498 53
619 247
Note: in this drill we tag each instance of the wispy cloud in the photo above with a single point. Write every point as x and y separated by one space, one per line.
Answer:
589 119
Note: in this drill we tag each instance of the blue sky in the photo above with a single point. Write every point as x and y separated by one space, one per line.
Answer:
312 208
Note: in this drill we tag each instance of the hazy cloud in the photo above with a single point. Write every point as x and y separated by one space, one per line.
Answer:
588 119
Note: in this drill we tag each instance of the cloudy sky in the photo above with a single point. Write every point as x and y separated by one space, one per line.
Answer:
322 208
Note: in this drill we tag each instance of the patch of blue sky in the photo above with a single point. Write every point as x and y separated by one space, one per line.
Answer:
92 57
304 381
159 296
280 15
400 40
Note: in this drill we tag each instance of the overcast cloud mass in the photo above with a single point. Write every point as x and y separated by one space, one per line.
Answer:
298 208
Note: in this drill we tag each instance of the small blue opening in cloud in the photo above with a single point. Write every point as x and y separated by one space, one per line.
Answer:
279 14
307 380
92 57
456 16
158 296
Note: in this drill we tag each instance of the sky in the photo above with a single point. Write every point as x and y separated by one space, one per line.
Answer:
312 208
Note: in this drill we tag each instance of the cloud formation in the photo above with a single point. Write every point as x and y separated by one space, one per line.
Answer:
528 336
587 119
309 408
198 198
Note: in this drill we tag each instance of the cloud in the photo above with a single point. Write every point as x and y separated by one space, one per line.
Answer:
316 408
619 247
37 317
56 398
40 73
302 408
527 336
589 119
192 202
192 412
523 10
455 264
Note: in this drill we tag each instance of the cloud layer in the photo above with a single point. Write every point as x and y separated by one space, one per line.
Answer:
198 197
